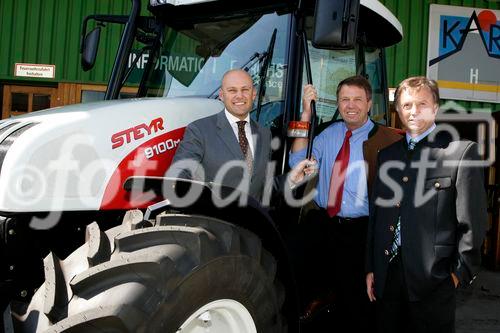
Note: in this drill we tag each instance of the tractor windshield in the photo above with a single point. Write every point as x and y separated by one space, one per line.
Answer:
191 62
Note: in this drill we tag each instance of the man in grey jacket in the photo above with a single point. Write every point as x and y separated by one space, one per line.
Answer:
229 148
427 219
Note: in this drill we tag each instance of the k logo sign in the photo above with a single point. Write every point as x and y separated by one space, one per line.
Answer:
455 29
464 52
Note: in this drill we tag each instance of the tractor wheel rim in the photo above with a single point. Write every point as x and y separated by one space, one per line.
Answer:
220 316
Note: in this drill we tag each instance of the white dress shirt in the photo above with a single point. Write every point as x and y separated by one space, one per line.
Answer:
248 130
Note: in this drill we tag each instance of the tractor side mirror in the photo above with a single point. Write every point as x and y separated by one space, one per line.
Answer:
89 48
335 24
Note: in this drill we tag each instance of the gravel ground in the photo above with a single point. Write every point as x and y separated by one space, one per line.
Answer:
478 307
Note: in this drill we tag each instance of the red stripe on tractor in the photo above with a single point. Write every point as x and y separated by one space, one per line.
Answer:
137 164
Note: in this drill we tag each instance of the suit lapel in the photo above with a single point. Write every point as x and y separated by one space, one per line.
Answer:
435 147
403 147
256 137
226 134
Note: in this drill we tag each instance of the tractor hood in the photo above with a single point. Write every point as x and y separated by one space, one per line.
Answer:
77 157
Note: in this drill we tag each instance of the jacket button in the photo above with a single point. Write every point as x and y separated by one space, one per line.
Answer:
405 179
437 185
391 228
386 252
398 204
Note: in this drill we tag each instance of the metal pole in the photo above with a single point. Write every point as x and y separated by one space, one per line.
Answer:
115 80
312 125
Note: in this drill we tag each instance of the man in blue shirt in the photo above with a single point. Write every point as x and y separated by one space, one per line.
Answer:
346 155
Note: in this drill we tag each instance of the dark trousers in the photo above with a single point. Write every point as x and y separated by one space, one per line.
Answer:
333 262
347 243
396 314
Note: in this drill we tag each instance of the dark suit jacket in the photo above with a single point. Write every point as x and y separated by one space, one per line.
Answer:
442 228
211 142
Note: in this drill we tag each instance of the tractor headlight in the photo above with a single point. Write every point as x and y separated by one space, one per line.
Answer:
157 2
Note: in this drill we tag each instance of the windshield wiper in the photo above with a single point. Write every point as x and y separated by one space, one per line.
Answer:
134 62
263 73
256 57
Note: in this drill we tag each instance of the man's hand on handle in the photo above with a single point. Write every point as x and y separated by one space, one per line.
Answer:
308 95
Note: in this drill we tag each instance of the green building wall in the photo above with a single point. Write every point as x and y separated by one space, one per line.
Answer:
409 57
48 32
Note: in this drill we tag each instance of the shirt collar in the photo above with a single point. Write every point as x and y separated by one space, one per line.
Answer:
419 138
233 120
367 127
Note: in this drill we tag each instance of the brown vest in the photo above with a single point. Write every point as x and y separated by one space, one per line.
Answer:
379 138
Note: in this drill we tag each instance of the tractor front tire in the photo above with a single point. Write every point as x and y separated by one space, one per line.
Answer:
184 274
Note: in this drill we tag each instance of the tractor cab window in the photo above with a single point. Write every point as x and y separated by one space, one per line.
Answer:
375 72
329 67
192 62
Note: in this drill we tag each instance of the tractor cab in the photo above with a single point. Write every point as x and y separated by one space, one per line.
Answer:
186 47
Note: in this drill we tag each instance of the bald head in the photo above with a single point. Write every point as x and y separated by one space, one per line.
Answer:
236 73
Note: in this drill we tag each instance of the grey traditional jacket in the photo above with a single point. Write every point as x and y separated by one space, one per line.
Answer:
441 199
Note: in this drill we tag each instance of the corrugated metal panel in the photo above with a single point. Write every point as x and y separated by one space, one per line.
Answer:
48 32
409 57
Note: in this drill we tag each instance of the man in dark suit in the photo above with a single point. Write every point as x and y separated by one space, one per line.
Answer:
229 148
427 219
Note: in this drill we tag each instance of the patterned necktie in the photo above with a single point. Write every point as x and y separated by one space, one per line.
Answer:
411 144
396 240
242 138
338 177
